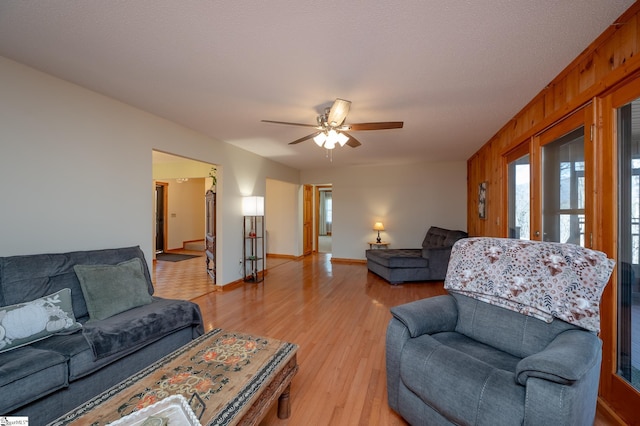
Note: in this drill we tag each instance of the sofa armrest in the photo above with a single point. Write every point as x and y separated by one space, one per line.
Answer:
436 251
438 258
428 316
565 360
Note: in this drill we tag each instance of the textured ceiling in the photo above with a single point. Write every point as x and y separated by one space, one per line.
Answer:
454 71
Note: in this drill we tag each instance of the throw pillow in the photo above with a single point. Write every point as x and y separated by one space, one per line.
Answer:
28 322
111 289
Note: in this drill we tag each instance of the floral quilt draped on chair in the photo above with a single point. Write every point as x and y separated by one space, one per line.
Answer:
539 279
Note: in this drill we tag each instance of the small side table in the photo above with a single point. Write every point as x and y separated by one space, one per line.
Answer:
380 245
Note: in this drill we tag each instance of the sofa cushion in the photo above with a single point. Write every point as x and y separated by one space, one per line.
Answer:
111 289
81 360
140 326
24 323
125 335
444 373
435 237
453 236
485 353
29 277
28 373
398 258
440 237
76 349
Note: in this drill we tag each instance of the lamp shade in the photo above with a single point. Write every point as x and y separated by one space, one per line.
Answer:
253 206
342 139
320 138
378 226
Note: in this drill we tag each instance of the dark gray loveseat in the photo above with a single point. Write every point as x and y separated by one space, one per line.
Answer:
46 378
428 263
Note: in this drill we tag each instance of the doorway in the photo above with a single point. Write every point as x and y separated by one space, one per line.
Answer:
179 208
324 215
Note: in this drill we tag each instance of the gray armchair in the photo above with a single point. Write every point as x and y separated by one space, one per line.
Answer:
502 348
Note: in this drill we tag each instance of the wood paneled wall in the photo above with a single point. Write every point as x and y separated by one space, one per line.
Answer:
609 60
610 63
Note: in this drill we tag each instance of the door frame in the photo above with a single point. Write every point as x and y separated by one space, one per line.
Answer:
307 221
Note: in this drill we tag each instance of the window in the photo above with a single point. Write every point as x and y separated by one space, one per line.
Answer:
519 198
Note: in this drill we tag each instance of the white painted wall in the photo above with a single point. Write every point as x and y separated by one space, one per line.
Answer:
185 211
75 170
179 167
76 174
407 199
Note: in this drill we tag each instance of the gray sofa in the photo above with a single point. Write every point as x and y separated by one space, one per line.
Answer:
484 357
76 343
428 263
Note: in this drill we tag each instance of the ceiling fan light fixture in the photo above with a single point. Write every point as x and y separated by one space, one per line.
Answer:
330 126
342 139
319 139
333 138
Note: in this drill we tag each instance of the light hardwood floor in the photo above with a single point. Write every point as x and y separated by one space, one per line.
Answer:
337 313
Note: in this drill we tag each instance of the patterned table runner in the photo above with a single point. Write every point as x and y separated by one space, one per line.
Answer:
227 371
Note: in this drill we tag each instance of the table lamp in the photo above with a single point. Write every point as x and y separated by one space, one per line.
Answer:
378 226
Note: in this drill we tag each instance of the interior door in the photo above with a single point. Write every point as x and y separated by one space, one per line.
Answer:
161 213
307 220
562 194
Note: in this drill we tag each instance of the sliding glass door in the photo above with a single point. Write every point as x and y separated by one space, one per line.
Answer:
628 144
561 195
563 189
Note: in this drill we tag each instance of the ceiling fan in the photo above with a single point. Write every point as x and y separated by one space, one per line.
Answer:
331 129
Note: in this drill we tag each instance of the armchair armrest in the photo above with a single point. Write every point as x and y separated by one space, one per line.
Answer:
565 360
428 316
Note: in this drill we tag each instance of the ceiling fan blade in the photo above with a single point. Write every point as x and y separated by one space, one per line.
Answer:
338 112
290 124
382 125
352 142
304 138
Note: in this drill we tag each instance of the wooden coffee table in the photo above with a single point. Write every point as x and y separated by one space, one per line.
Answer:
228 378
